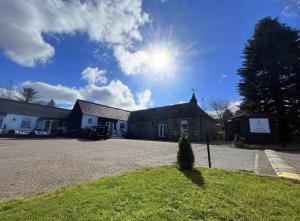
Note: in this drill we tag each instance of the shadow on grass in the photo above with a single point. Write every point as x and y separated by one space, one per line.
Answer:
194 175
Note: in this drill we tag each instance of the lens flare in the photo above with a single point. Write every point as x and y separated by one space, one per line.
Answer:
160 59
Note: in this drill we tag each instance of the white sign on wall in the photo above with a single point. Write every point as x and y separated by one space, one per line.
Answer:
259 125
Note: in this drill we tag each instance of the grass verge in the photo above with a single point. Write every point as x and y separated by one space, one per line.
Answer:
165 193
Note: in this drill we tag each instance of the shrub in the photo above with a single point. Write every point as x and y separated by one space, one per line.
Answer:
185 155
11 132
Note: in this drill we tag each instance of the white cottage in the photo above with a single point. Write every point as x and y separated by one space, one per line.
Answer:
25 117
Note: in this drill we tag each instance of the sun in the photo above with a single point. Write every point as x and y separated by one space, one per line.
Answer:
160 59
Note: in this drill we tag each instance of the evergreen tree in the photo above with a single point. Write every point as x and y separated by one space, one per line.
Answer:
185 155
227 114
28 95
270 73
51 103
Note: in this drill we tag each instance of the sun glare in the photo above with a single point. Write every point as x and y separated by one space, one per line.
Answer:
160 59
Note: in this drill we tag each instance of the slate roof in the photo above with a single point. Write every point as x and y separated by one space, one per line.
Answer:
247 114
99 110
30 109
167 112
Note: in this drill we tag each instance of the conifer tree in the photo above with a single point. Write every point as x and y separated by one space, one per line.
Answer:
51 103
185 155
270 73
28 95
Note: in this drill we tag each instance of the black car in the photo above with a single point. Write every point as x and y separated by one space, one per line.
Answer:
97 132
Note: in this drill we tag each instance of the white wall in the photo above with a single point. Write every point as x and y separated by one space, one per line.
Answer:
13 121
119 132
85 121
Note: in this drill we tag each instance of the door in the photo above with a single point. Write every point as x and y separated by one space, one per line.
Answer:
162 130
110 127
47 125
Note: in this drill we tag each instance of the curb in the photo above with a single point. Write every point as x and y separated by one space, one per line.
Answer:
281 168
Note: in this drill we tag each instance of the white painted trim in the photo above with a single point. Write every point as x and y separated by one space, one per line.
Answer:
162 130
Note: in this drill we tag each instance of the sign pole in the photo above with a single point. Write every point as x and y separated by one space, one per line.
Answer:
208 150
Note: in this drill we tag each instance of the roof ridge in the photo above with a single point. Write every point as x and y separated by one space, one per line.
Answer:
160 107
102 105
36 104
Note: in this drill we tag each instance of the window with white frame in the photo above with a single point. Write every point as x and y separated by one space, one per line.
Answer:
184 126
196 132
26 123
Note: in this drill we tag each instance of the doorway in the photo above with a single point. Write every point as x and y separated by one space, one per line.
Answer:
162 130
47 125
110 127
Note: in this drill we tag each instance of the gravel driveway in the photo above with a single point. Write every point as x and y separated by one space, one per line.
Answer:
32 166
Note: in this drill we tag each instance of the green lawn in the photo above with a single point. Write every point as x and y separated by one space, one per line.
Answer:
165 193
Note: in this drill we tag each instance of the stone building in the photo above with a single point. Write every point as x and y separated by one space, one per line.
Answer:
166 122
169 122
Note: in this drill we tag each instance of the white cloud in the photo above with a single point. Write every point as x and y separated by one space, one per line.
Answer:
115 94
94 75
153 59
144 99
234 105
292 9
131 62
61 94
23 25
224 75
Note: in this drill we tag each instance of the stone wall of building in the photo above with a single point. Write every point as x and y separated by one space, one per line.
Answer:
197 127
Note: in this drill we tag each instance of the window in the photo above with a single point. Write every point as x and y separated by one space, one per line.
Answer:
90 121
1 121
47 125
26 123
196 133
162 130
122 126
184 126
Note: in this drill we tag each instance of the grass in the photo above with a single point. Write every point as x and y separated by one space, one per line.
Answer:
165 193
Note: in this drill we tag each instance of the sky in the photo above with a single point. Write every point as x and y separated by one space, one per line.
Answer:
131 54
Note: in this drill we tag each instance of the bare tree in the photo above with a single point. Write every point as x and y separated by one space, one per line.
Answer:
221 110
8 91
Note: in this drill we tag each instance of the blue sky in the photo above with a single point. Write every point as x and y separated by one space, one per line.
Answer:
163 51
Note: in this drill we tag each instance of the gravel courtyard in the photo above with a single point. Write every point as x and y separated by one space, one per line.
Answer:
32 166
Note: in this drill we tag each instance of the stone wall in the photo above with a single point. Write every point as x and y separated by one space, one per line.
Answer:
197 127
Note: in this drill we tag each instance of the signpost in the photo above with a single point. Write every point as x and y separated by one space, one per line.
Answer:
208 151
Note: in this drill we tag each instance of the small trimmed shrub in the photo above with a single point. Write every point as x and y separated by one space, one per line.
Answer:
185 155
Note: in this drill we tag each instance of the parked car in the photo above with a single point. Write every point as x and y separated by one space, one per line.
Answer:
97 132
